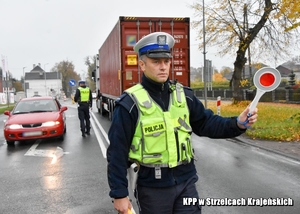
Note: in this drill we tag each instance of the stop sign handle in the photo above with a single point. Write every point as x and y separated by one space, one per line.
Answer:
254 102
265 79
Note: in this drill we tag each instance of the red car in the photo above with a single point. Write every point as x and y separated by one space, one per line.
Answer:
35 118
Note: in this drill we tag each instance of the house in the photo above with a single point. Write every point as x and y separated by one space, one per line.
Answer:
287 68
284 72
40 82
248 71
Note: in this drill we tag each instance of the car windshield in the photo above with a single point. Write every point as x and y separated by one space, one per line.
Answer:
30 106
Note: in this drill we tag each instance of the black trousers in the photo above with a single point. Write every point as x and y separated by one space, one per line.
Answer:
168 200
84 117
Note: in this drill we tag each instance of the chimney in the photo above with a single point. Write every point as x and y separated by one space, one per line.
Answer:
40 64
33 65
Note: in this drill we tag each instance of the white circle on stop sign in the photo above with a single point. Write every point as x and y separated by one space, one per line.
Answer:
267 79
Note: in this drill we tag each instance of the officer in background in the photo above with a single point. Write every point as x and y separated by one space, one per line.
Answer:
83 96
152 126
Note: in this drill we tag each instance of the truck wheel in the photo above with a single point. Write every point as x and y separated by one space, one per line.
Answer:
110 116
111 110
101 109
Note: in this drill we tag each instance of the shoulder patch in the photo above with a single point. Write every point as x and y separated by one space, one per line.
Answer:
187 88
120 98
125 101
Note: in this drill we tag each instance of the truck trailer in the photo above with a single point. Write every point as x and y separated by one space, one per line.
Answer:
117 64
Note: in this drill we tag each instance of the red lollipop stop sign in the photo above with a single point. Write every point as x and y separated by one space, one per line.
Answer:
265 80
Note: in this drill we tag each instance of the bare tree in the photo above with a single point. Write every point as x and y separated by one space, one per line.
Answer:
90 61
67 71
232 25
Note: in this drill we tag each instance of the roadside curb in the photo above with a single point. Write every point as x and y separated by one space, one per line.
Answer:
245 141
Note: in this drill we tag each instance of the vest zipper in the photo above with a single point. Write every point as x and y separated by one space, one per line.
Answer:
177 145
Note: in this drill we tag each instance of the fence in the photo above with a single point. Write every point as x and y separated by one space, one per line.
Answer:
278 95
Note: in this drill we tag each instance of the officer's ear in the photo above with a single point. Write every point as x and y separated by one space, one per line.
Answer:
142 64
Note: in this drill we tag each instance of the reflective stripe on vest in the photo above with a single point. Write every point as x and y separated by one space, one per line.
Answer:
84 94
161 139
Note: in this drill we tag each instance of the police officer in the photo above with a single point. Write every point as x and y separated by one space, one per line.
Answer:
83 96
152 126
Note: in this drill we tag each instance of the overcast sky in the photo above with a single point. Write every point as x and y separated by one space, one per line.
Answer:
50 31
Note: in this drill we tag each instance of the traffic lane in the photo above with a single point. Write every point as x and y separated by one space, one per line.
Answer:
231 173
229 170
234 171
75 183
103 119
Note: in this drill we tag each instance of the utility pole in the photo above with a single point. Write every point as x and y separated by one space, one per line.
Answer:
246 33
24 80
247 30
57 83
45 79
7 88
204 61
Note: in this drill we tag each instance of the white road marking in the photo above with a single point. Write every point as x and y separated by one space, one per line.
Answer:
54 154
95 123
100 127
101 144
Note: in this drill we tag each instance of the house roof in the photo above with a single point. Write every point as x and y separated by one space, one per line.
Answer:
37 73
37 69
41 75
283 71
291 66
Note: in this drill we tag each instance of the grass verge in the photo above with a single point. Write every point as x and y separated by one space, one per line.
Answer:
4 108
276 121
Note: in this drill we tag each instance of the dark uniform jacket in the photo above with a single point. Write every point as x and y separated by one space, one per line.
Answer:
77 97
203 122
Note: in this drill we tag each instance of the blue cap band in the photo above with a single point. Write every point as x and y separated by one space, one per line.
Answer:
144 50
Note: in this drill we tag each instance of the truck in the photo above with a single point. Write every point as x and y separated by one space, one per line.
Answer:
117 64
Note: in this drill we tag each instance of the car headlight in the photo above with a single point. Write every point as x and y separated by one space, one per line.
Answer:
50 123
14 126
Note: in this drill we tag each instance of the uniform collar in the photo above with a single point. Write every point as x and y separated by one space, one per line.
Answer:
154 86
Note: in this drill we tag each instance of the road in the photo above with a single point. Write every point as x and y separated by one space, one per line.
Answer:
69 177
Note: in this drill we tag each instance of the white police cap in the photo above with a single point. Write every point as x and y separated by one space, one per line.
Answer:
155 45
81 82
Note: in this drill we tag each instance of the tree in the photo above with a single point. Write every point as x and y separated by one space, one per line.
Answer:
232 25
18 85
291 8
225 70
67 71
91 63
218 77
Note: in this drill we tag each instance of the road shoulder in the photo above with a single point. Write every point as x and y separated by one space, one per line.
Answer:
287 149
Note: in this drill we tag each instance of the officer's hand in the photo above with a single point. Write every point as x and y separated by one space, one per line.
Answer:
246 118
122 205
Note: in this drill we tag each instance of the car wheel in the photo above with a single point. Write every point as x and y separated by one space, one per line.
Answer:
10 143
61 137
